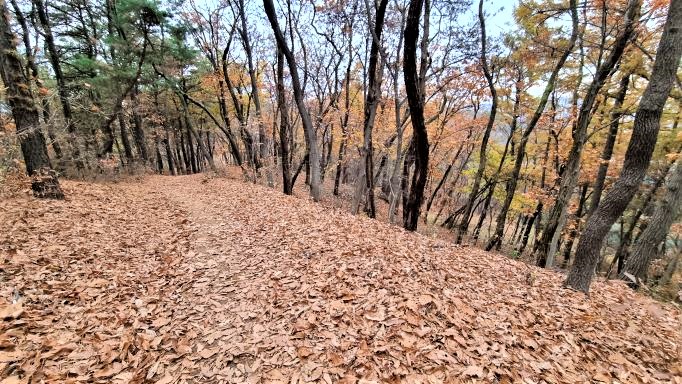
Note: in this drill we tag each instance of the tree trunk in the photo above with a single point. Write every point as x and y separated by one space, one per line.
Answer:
308 129
671 268
607 152
183 148
169 153
534 219
159 158
344 124
59 76
127 149
664 215
482 161
638 154
190 128
520 223
623 249
484 212
339 165
576 227
138 131
255 96
415 99
284 128
33 69
374 72
44 181
569 177
177 153
190 151
442 180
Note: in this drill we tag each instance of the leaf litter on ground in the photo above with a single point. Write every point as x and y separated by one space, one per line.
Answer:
188 279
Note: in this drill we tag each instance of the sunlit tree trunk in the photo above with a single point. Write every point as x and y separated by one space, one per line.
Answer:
125 140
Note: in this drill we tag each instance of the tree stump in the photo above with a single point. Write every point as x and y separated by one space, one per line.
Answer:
45 185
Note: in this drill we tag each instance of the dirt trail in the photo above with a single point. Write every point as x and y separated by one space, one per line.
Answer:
189 279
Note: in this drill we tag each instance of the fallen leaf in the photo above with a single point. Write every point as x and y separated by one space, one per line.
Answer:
474 371
11 311
208 352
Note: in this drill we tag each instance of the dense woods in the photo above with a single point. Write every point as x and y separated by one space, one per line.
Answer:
546 130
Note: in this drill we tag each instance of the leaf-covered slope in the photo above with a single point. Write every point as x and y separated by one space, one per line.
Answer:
187 279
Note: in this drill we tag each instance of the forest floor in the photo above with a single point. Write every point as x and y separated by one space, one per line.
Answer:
194 279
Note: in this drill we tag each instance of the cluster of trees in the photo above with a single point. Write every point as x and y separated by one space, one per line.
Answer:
551 128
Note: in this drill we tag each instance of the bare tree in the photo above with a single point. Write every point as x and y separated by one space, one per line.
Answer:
313 153
374 74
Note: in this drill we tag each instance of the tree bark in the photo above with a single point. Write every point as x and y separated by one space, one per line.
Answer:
442 180
395 181
284 128
138 131
415 99
190 128
44 181
664 215
251 155
172 163
638 154
607 152
125 140
574 230
33 69
626 239
159 158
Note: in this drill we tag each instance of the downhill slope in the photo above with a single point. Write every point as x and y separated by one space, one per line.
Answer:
189 279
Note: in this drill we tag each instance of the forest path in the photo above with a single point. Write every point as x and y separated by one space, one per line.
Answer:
195 279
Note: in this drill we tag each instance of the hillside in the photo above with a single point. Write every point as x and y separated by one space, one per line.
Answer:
193 279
